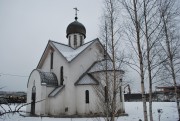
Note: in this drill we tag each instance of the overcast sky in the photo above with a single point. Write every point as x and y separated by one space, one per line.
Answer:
27 25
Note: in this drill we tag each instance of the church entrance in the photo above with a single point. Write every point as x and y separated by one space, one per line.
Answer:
33 100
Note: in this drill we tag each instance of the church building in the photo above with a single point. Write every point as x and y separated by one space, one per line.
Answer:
64 82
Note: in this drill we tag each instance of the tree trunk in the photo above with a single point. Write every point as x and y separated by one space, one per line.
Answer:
114 68
148 49
137 25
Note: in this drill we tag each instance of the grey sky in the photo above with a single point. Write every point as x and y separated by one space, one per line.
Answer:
27 25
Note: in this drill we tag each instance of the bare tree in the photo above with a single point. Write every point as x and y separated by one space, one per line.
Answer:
7 109
110 89
134 36
151 31
171 42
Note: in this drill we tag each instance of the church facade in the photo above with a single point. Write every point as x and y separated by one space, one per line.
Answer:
64 82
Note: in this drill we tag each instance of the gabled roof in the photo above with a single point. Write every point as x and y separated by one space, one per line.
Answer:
87 79
101 66
66 51
70 53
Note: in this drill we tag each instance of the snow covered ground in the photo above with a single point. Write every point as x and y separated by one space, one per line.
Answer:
133 109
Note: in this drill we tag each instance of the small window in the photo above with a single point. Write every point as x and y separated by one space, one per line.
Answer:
87 96
62 75
52 60
120 91
75 40
69 40
81 40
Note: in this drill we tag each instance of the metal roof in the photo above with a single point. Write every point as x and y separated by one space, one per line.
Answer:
76 27
87 79
48 77
56 91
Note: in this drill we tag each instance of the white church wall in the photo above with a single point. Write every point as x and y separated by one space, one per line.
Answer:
34 80
58 62
82 106
72 98
56 104
77 67
49 89
101 76
80 64
43 97
46 65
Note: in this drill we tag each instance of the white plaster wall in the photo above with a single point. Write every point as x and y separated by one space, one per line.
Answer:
58 61
46 64
34 77
82 106
49 89
101 77
43 97
42 92
56 104
77 68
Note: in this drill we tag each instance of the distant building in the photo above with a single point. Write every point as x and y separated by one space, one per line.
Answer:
62 84
12 97
166 93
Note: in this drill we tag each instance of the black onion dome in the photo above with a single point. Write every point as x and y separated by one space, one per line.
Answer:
76 27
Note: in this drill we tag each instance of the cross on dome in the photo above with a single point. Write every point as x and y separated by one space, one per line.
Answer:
76 13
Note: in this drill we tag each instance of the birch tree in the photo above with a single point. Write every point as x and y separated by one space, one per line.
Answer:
151 31
169 12
113 85
134 34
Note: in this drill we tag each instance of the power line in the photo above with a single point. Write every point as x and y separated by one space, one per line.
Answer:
6 74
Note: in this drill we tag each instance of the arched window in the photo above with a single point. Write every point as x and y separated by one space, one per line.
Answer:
62 75
75 40
51 66
87 96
